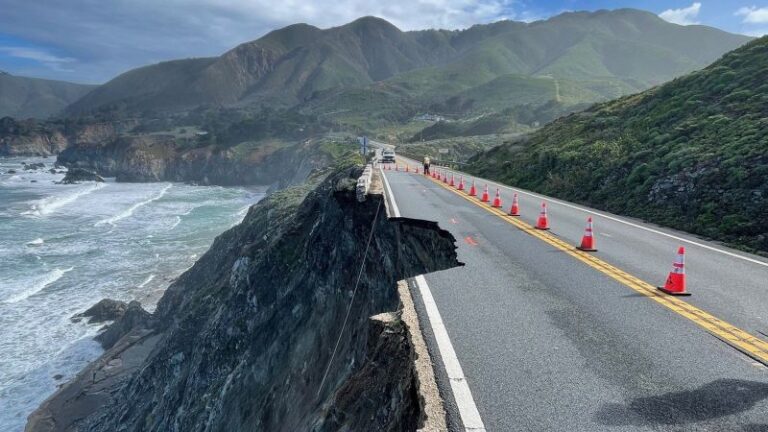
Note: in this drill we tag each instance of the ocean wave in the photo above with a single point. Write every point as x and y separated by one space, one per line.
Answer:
36 242
52 203
146 281
175 224
38 285
129 212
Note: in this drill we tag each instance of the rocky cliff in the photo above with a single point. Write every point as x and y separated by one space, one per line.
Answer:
30 138
245 339
148 158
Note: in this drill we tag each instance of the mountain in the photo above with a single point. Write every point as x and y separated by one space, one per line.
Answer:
285 66
23 97
691 154
572 58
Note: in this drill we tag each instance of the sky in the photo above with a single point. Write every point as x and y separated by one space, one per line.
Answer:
92 41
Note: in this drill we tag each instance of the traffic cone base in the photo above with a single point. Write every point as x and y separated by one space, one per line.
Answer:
674 293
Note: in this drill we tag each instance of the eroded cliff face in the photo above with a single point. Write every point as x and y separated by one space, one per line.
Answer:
50 142
149 158
243 340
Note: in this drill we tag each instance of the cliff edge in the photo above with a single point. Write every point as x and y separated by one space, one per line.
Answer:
245 339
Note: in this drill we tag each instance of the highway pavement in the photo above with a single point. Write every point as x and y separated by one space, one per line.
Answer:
531 335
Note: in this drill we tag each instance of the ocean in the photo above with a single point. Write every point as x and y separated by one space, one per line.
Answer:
65 247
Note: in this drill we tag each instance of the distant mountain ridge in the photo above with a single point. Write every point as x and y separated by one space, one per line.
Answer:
23 97
596 55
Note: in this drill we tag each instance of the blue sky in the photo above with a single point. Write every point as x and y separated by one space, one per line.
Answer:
91 41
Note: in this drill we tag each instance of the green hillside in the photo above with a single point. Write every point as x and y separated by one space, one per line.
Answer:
572 58
691 154
23 97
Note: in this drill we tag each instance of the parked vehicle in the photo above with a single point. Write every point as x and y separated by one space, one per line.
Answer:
388 155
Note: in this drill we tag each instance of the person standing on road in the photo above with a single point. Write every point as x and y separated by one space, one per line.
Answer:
426 165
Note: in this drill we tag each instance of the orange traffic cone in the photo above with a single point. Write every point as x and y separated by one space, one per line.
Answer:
472 190
497 199
445 178
433 173
397 167
588 241
461 183
515 209
452 184
485 197
675 284
543 222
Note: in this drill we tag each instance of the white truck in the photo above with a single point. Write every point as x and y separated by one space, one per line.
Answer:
388 156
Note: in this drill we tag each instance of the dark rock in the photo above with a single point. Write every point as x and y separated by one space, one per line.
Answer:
52 171
384 387
34 166
104 310
134 317
33 181
11 171
242 341
58 377
76 175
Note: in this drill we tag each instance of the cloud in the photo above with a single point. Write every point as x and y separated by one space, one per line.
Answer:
40 56
756 33
110 37
683 16
754 15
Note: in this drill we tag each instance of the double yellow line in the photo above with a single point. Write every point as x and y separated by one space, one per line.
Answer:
732 335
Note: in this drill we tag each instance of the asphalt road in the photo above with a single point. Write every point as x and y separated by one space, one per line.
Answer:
547 342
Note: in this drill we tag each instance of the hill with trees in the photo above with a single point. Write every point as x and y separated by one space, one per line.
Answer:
691 154
23 97
372 69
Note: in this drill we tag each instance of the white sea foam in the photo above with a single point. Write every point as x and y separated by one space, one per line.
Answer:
36 242
129 212
53 203
175 224
147 280
37 285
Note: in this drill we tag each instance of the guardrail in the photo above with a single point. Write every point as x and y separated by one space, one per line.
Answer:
364 181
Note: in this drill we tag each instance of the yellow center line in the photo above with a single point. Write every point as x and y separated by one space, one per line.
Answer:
734 336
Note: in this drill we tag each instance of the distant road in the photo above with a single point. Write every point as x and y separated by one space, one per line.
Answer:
533 335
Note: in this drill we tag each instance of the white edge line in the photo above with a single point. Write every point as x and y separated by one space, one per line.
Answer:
395 210
615 219
461 393
470 417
